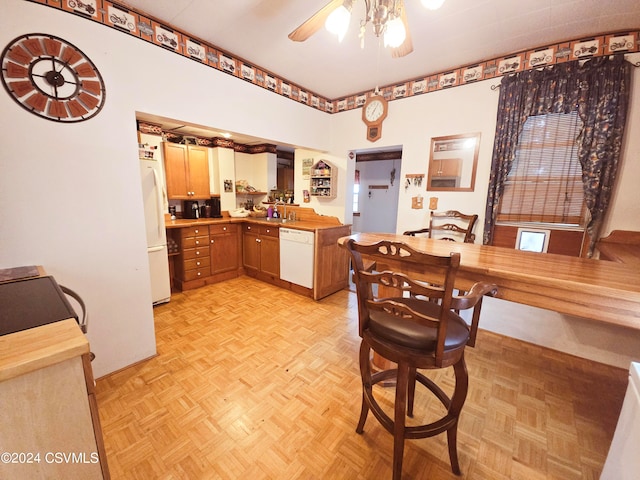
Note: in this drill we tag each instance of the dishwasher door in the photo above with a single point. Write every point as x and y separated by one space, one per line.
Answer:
296 256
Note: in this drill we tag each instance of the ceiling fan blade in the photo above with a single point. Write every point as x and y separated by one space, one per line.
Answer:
407 46
315 23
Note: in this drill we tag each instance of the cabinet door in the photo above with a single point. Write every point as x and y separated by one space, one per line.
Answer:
223 248
270 255
250 248
198 168
175 168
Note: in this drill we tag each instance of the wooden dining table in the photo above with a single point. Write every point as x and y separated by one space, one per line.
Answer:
596 289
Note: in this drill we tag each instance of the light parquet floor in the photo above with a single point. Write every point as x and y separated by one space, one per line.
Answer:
255 382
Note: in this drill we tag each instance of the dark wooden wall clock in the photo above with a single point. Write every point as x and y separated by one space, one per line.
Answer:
52 78
374 111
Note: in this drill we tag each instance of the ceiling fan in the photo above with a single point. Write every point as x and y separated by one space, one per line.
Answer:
388 18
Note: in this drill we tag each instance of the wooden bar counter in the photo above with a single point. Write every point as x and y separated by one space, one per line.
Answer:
49 425
595 289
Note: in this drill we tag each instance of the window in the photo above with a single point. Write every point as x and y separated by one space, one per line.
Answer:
356 193
545 181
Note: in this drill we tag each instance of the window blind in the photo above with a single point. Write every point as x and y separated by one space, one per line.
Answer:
545 181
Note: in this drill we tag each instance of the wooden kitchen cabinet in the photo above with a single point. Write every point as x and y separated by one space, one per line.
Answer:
49 407
187 171
224 248
192 266
261 251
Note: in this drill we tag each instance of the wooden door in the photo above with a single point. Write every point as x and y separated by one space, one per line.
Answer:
198 172
250 247
175 168
270 255
224 248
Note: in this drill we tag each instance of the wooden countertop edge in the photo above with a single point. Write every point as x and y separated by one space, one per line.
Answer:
297 224
29 350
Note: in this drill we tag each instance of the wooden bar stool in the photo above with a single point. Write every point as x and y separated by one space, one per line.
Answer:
413 324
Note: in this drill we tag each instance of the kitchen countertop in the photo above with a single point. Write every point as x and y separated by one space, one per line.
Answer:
308 225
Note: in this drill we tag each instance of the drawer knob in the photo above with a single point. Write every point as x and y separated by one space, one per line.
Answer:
198 263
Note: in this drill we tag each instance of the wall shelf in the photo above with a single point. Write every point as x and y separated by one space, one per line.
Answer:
322 181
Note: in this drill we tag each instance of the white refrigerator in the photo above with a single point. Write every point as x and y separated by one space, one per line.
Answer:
154 199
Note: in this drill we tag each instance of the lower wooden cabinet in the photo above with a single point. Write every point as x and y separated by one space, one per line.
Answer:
224 248
206 254
261 251
193 263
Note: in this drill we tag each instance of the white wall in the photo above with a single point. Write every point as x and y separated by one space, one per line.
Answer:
70 193
334 207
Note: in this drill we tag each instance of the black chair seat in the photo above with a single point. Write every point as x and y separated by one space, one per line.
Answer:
413 335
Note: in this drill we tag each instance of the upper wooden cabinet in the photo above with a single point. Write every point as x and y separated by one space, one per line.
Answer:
187 171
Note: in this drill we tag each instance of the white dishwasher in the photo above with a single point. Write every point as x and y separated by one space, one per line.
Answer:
296 256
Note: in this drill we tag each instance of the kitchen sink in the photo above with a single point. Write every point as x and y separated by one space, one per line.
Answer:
278 220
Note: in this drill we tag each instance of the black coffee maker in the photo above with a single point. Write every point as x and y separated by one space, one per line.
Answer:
215 207
190 209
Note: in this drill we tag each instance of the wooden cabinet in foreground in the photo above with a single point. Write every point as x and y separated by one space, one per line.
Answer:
49 427
187 171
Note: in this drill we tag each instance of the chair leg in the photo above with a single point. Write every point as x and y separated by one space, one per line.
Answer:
365 373
457 401
399 419
411 391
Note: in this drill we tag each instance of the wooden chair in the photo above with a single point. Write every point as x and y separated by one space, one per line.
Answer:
450 225
412 323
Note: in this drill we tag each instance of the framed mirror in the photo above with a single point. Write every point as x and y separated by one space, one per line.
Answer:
452 163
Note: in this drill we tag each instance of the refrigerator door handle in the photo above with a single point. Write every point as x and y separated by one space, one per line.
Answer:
155 249
159 200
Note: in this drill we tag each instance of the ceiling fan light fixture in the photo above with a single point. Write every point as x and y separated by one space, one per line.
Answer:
337 22
432 4
395 33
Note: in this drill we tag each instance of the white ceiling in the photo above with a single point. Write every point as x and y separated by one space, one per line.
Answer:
461 33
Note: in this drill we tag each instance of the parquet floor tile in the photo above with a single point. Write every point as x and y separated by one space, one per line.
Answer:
255 382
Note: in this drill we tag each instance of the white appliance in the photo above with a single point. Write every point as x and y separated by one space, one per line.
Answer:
153 197
623 461
296 256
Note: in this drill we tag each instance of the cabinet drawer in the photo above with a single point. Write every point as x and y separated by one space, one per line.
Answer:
269 231
221 229
251 228
195 242
189 253
195 263
197 273
193 231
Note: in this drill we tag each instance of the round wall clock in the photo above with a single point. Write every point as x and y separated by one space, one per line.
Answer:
374 111
52 78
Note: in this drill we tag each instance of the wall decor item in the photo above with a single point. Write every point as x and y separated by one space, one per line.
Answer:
453 161
374 111
52 78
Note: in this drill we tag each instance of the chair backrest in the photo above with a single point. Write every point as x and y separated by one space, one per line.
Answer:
389 291
452 225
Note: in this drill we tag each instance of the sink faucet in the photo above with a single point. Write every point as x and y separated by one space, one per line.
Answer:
280 202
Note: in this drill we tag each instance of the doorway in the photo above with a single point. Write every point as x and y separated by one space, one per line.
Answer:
377 184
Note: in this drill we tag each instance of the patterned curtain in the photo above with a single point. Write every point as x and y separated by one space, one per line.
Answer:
599 90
